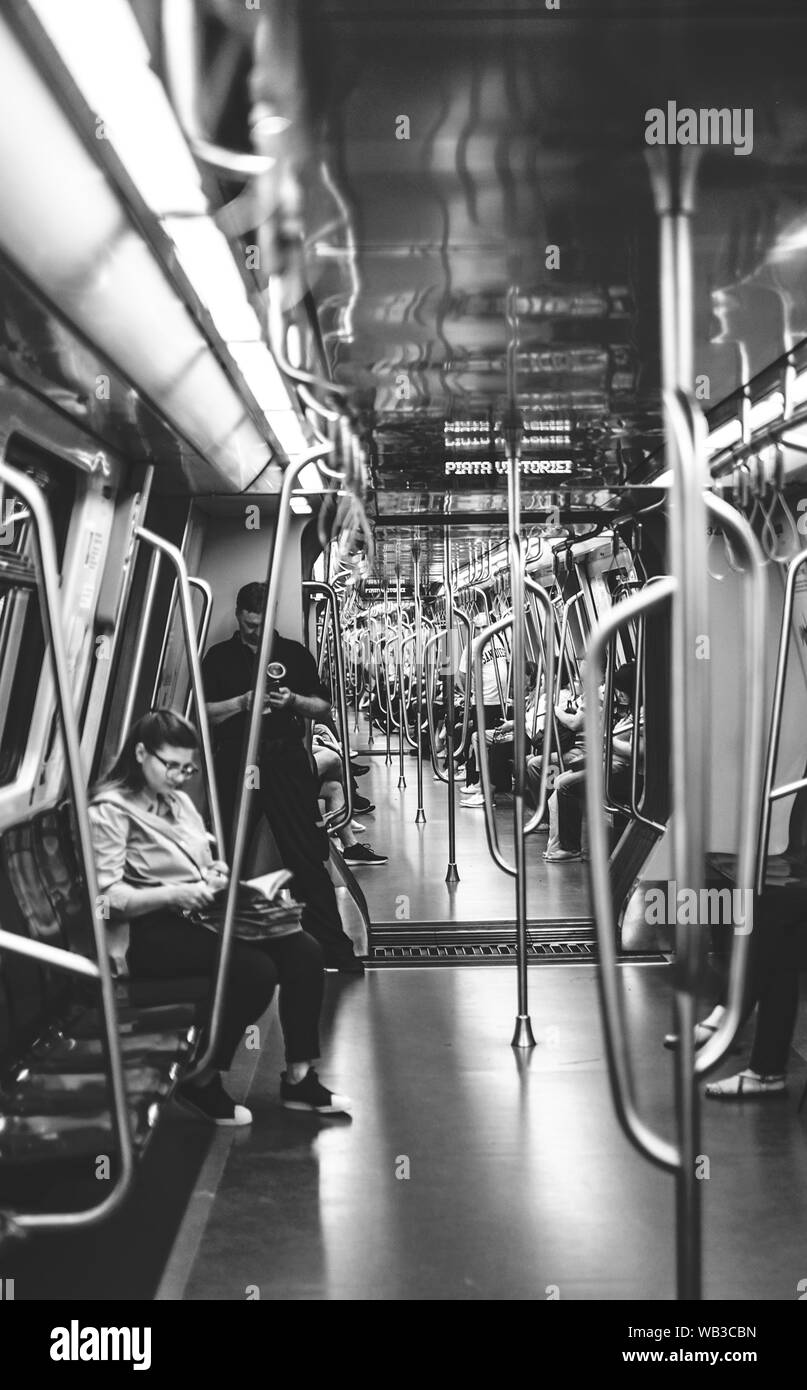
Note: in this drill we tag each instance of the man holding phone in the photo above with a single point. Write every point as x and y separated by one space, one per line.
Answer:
287 791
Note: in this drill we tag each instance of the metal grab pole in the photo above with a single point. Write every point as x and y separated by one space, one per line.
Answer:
53 626
402 711
338 818
452 873
384 644
140 645
251 745
420 814
673 181
174 557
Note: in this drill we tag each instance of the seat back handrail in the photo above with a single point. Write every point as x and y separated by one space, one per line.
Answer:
770 793
333 625
52 620
162 547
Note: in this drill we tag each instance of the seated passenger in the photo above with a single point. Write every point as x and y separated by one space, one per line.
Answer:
499 738
155 867
331 791
568 795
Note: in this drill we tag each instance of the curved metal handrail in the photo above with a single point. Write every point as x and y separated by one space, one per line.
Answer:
337 819
99 969
653 1146
751 787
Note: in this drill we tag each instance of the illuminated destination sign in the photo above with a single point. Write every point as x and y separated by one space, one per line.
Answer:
540 438
477 468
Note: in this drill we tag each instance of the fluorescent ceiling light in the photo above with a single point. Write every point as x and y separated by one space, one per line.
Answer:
206 258
799 392
765 411
724 436
103 47
261 373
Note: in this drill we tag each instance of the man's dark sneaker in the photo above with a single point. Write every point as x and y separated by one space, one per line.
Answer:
359 769
362 855
212 1103
363 804
310 1094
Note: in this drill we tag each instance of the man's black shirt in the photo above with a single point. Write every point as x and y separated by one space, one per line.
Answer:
228 670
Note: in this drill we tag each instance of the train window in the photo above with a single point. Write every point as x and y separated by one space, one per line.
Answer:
22 638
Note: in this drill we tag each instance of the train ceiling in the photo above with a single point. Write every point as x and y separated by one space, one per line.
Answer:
472 150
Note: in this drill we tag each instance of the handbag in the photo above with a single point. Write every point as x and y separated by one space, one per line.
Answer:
257 918
264 911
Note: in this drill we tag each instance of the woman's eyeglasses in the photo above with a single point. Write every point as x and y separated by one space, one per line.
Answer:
183 770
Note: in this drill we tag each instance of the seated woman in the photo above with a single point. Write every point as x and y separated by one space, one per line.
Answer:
155 867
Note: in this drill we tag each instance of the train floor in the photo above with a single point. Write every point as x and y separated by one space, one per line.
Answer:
411 887
469 1171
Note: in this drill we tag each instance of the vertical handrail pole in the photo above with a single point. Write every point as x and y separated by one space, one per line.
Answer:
52 624
402 710
388 711
673 177
252 743
452 873
420 814
512 431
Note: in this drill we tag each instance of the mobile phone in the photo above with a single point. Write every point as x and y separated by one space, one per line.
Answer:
275 674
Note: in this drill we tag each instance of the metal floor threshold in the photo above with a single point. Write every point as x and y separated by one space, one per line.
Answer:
495 953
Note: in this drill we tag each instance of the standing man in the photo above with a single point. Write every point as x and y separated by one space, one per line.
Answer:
288 791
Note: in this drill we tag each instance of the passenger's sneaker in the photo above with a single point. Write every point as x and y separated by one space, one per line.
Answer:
359 769
310 1094
212 1103
558 856
363 805
363 855
356 825
474 800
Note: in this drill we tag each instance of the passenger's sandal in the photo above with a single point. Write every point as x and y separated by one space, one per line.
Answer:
746 1085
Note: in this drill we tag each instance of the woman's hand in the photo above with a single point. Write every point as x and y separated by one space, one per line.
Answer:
217 875
188 896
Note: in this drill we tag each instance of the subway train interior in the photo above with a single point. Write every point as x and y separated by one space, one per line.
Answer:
463 345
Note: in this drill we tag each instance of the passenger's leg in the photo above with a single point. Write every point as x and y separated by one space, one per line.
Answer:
289 797
298 960
570 790
165 946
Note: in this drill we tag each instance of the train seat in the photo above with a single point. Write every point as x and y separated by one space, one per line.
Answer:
54 1086
784 870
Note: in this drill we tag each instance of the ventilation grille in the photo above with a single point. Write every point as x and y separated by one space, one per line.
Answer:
487 954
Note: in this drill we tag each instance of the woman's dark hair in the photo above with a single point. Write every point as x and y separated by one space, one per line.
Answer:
155 729
530 674
625 679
